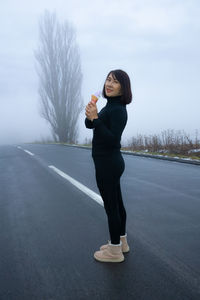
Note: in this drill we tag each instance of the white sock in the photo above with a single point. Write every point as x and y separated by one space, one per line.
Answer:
115 244
123 235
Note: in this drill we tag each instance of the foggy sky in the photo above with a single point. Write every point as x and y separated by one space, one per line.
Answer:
155 41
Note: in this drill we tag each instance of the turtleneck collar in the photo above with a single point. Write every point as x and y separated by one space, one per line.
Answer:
114 100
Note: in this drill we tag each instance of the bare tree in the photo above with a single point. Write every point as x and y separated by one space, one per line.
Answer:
60 77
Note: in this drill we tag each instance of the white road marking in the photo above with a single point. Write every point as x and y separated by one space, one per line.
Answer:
76 183
30 153
79 185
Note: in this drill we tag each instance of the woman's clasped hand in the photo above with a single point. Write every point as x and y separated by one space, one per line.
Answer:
91 111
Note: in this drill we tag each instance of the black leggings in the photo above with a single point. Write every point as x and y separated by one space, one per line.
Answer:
108 172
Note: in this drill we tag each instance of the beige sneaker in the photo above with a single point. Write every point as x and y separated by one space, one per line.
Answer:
112 253
125 246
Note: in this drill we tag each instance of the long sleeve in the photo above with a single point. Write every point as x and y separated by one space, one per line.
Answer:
88 123
111 135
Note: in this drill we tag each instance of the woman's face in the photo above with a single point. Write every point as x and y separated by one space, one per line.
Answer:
112 86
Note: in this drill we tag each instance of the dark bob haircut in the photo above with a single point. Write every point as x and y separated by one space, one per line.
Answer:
125 83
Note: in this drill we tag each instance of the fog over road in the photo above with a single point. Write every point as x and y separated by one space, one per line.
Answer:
50 228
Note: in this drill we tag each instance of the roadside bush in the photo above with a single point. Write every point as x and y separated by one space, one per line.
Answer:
167 142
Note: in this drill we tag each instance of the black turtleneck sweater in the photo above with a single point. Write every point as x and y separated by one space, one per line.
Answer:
108 127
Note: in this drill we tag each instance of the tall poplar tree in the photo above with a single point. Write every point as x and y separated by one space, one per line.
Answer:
60 77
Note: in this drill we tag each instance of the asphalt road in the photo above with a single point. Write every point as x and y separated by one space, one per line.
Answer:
49 229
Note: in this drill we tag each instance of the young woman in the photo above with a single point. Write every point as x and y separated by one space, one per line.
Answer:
108 126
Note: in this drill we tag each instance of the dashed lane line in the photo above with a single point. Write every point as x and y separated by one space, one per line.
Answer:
76 183
30 153
79 185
